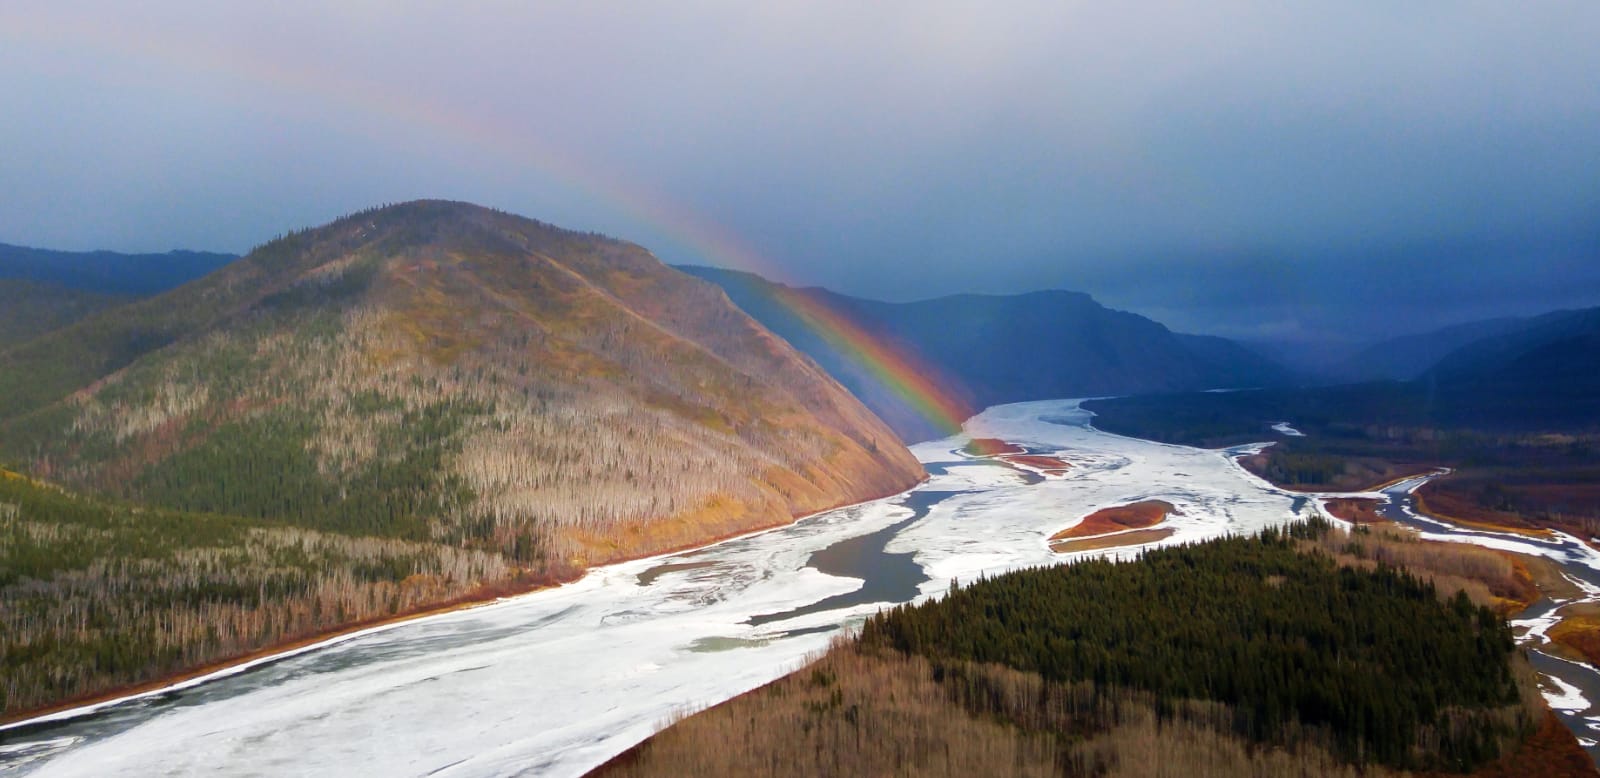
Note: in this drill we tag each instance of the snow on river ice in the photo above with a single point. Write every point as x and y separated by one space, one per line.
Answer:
556 682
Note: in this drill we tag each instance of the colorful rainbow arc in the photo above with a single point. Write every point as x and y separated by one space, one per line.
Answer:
895 368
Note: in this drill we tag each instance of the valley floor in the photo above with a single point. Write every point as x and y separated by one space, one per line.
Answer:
561 680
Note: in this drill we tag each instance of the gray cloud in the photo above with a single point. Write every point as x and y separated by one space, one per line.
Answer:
1230 166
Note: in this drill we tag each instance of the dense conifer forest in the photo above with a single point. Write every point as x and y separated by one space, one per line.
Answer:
1285 638
1286 653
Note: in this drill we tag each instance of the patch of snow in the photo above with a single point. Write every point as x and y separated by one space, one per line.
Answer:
1563 696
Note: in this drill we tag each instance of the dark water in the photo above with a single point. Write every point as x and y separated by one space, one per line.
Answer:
649 576
885 577
947 468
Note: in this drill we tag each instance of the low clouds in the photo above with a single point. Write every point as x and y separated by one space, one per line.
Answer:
1186 160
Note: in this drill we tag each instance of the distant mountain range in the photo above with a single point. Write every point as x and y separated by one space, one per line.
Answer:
440 371
1546 370
984 349
1409 356
1542 376
108 272
1540 370
997 349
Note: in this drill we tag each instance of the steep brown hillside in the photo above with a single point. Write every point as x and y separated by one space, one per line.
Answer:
440 371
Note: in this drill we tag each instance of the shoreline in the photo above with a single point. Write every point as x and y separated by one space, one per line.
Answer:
1423 506
238 663
1421 499
486 595
1112 541
1317 489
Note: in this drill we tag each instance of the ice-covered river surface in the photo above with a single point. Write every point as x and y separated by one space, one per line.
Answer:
556 682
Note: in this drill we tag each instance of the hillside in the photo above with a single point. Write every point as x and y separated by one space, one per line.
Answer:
1406 357
998 349
29 309
440 372
1546 372
97 595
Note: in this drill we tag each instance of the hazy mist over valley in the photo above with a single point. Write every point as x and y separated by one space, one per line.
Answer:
799 389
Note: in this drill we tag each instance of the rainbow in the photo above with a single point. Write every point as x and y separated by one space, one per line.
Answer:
897 369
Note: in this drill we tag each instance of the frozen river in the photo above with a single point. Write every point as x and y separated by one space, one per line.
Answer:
556 682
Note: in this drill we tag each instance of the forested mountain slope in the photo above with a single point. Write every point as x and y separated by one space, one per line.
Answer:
29 309
991 349
97 594
439 371
1408 356
1546 374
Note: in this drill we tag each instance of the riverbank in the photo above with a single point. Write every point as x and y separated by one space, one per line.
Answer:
1356 510
1431 507
1512 476
238 663
485 595
1565 575
1115 540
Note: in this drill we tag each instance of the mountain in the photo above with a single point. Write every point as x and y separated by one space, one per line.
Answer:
437 371
108 272
997 349
1522 385
1409 356
31 308
1547 371
1314 358
1498 351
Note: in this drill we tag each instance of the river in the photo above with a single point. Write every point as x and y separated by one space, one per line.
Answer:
558 681
1571 688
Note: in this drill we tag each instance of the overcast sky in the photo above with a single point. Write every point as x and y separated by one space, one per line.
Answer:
1273 169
